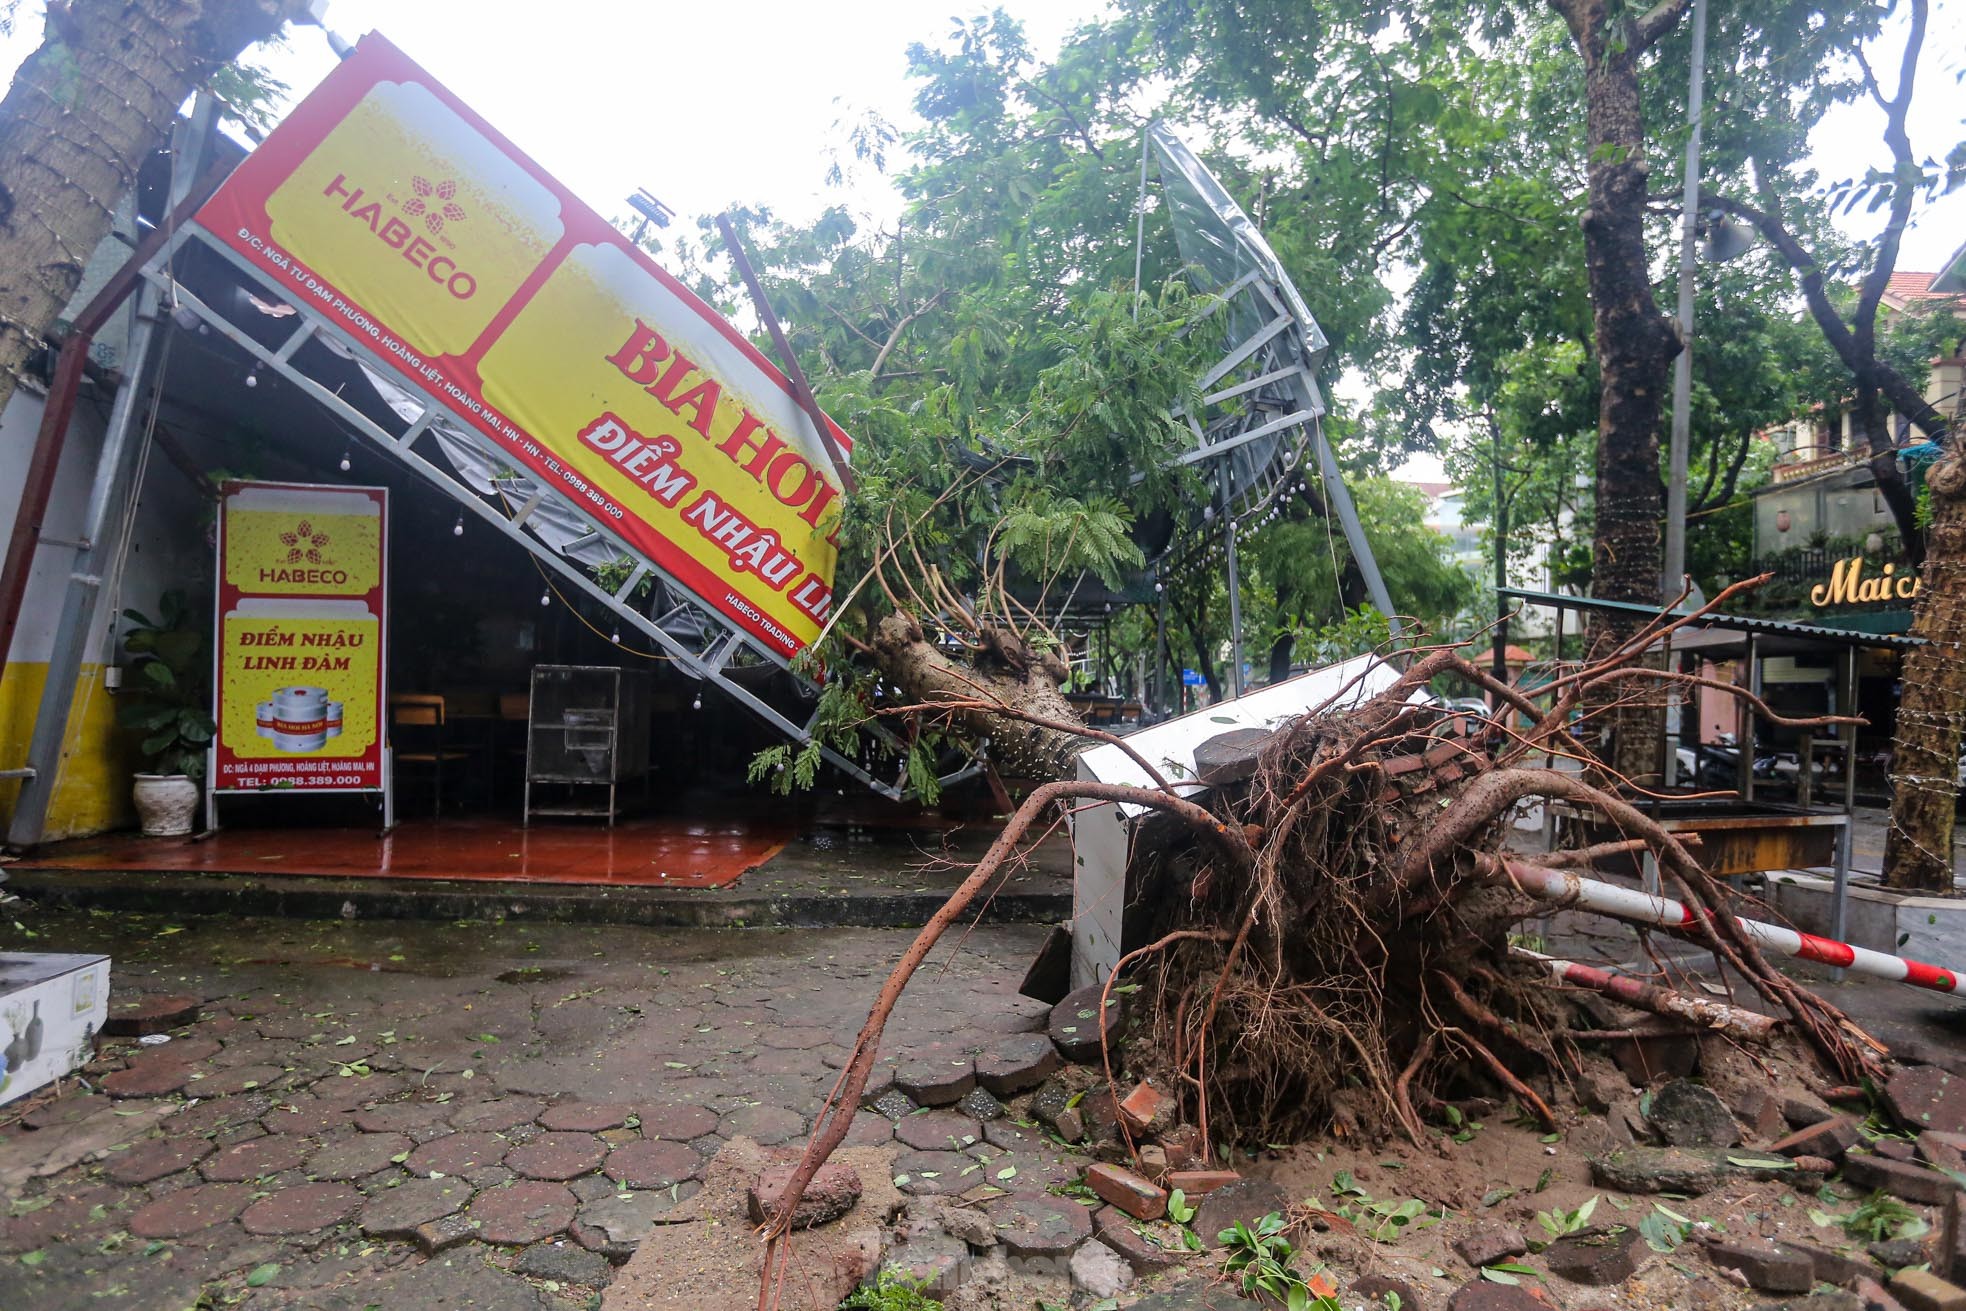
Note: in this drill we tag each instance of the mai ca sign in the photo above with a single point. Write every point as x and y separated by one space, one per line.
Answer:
1847 585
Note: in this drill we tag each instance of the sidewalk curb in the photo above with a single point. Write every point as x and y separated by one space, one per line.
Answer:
302 897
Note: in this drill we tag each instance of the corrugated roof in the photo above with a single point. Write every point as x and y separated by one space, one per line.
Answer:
1904 287
1723 622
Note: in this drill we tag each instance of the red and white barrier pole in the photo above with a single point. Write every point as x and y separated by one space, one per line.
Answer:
1548 884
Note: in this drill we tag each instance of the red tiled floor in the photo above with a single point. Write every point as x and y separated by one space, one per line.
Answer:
666 851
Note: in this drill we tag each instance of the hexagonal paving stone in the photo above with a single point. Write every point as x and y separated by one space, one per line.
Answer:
238 1079
935 1173
302 1210
684 1122
936 1074
498 1116
520 1213
398 1211
1037 1227
357 1155
358 1089
153 1160
583 1117
869 1129
794 1037
799 1062
63 1110
615 1224
255 1159
418 1119
189 1210
219 1115
1017 1063
769 1125
306 1116
149 1079
558 1156
656 1164
1079 1028
457 1153
938 1131
564 1264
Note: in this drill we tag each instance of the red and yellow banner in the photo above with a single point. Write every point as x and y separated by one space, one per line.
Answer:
300 643
384 204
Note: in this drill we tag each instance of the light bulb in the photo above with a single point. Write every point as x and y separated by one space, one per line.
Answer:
252 379
457 529
546 598
346 462
616 639
698 703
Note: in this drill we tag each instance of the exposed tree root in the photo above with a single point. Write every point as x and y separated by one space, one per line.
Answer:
1327 948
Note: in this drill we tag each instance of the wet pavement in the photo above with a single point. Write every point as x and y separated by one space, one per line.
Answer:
650 851
430 1115
764 872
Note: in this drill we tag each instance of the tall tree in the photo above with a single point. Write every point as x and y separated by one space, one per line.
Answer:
85 110
1793 217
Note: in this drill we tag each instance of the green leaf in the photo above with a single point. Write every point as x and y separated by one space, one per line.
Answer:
263 1275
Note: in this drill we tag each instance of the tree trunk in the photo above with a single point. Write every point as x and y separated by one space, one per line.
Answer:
83 113
1925 761
1006 672
1635 343
1280 651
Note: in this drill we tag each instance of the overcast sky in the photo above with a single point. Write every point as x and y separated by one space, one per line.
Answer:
737 102
713 104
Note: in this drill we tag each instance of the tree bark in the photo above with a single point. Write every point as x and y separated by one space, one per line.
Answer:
1005 671
83 113
1635 344
1925 757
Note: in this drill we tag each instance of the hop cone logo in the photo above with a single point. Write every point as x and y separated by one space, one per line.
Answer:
434 201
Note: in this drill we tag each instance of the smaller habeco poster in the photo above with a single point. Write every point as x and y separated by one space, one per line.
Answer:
383 205
300 638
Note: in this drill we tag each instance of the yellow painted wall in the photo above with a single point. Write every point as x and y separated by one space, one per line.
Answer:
92 793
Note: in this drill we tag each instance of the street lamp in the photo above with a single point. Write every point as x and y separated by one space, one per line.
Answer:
651 210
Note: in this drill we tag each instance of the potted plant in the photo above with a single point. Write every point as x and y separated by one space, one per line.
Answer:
164 698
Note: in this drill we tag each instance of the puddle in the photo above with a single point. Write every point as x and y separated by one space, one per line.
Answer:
536 974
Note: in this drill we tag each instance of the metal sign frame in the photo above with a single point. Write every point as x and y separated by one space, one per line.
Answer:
711 660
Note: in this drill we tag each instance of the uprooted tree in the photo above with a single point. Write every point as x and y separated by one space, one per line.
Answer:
1328 919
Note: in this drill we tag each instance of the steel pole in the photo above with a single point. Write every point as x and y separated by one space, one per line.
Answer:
1674 574
1235 583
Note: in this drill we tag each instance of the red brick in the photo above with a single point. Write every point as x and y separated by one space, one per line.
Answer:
1127 1190
1140 1107
1829 1139
1199 1183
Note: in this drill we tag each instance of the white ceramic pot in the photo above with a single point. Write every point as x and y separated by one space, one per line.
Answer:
165 803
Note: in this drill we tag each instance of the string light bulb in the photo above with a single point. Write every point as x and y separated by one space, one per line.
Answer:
457 529
347 462
252 376
698 703
546 597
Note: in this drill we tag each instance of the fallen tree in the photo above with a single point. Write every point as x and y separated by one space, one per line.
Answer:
1328 949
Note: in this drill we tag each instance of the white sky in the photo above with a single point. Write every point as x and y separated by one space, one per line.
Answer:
711 105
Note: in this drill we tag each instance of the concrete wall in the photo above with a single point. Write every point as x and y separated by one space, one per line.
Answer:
166 549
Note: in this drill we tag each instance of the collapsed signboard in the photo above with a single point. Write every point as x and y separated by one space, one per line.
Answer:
300 640
386 205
